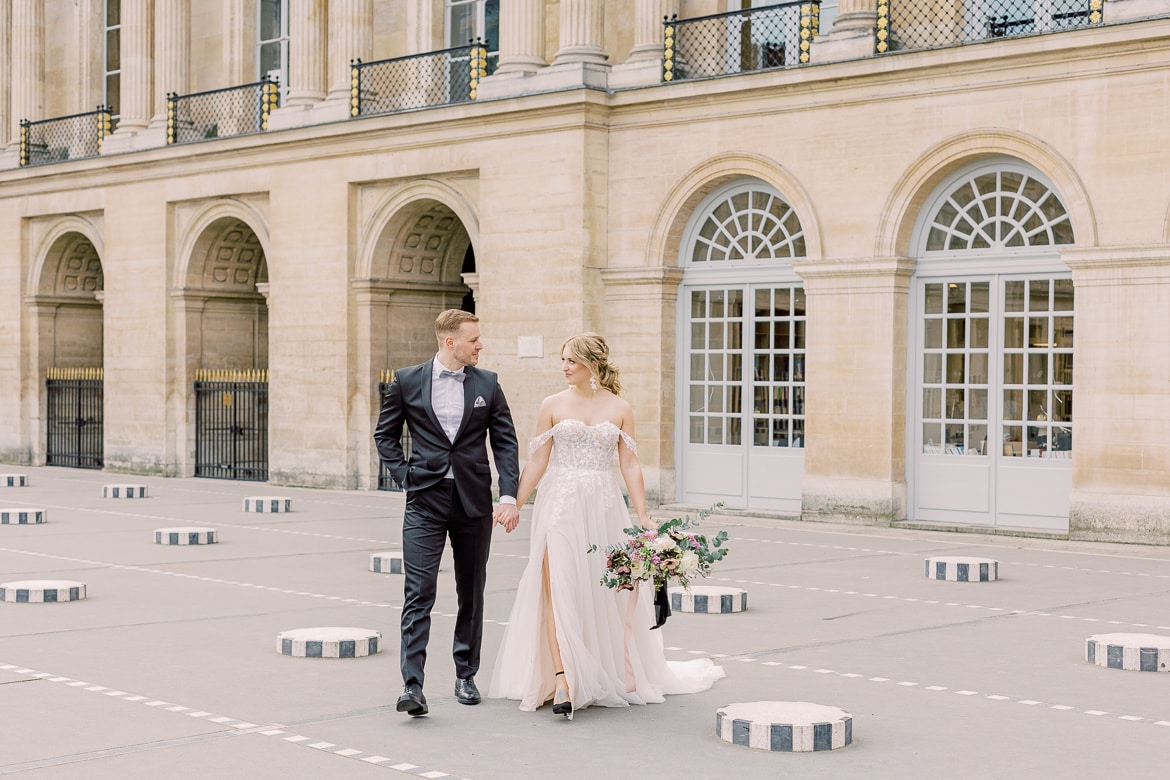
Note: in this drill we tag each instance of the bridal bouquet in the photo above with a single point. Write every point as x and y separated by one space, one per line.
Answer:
672 552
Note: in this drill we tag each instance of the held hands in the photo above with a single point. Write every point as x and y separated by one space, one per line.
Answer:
507 515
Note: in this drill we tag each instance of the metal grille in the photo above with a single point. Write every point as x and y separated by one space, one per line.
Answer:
74 417
385 480
231 424
775 36
917 24
64 138
436 78
221 113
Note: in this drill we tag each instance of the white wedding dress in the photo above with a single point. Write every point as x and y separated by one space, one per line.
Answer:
579 503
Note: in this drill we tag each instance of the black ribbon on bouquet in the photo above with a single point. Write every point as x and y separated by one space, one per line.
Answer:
661 606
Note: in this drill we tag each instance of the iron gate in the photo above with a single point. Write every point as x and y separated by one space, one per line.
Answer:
231 424
385 480
74 417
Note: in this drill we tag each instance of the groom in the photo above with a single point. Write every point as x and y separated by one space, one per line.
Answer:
451 408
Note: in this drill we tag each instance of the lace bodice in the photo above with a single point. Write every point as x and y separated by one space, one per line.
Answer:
580 446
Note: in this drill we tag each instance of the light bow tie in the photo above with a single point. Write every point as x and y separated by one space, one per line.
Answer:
458 376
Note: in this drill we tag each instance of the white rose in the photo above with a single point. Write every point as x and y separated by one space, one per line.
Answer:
664 543
640 570
689 562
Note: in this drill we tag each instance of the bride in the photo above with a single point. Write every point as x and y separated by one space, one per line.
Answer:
569 637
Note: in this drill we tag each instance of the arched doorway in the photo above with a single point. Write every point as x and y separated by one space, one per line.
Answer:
223 322
742 348
67 311
992 351
421 260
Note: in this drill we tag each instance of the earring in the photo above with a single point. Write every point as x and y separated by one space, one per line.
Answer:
593 384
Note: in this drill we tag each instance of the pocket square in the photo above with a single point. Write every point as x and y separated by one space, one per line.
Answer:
479 401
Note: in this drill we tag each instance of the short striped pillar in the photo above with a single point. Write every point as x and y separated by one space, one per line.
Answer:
710 599
955 568
185 536
267 504
123 491
386 562
23 516
786 726
329 642
13 480
1133 652
42 591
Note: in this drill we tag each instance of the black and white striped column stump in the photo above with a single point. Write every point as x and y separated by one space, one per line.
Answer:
123 491
386 563
185 536
42 591
957 568
330 642
267 504
1133 652
709 599
23 516
13 480
785 726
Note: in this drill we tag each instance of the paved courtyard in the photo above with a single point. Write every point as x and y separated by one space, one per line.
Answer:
170 669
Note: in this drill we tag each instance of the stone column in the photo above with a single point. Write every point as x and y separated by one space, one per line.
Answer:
307 44
648 16
521 36
351 26
644 65
582 32
6 70
137 68
853 34
173 61
28 66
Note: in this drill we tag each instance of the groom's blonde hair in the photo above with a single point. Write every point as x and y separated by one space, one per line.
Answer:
448 322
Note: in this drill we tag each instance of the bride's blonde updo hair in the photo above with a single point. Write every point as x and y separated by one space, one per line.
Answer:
590 349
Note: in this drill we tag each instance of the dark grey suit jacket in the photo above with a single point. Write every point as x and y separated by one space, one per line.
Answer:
485 415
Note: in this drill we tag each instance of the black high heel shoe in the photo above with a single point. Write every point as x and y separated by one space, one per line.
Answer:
561 703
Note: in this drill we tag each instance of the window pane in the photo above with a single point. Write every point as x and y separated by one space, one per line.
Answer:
979 332
932 403
956 298
734 394
1038 295
798 302
697 430
717 297
1038 369
1013 369
977 406
113 12
734 432
1013 404
715 430
715 335
956 333
977 440
1062 405
697 398
1062 331
780 366
1014 296
491 24
1037 405
955 403
932 369
1038 331
1013 442
269 19
955 373
1013 332
980 297
932 438
461 25
1062 368
934 299
933 334
113 49
978 374
698 304
1062 295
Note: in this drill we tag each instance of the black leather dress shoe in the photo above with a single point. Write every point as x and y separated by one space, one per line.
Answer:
466 692
412 701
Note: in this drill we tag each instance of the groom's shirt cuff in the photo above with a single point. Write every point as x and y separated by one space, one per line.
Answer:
508 500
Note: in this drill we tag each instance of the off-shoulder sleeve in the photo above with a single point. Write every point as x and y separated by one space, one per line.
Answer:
539 442
629 440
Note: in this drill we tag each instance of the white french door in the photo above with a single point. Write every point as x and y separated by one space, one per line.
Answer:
994 400
744 396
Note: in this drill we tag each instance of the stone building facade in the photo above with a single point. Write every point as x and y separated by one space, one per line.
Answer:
839 249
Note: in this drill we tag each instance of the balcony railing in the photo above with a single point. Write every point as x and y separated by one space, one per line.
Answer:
775 36
64 138
436 78
904 25
221 113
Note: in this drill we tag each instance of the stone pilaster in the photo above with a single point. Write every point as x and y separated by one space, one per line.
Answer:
308 35
855 443
854 32
351 25
6 70
137 67
420 26
644 65
521 36
172 63
28 66
582 32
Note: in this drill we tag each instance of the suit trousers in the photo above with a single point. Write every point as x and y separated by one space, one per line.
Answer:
432 515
